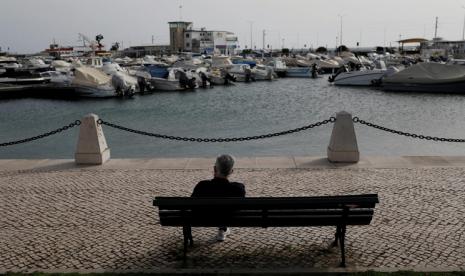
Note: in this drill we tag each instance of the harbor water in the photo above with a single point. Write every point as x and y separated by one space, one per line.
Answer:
245 109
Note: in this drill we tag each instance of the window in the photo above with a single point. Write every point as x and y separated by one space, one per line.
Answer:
188 44
187 35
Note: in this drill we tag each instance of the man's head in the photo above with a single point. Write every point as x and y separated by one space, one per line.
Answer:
224 165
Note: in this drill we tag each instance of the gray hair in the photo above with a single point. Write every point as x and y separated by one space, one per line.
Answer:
224 164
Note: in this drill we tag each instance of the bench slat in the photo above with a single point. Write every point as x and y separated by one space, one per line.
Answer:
179 203
287 221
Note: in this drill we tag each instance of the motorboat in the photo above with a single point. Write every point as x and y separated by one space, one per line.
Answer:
262 72
221 62
20 76
279 67
362 77
221 77
91 82
9 62
427 77
177 80
242 72
240 60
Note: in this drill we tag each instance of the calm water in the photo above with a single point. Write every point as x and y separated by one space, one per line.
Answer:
241 110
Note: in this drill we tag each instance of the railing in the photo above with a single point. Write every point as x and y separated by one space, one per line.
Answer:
342 139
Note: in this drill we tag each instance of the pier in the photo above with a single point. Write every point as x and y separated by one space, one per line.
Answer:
59 216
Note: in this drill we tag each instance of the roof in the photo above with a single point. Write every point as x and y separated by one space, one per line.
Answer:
413 40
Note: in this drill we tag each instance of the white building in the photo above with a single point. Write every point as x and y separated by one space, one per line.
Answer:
207 41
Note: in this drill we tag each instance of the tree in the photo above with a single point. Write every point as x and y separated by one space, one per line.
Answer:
321 50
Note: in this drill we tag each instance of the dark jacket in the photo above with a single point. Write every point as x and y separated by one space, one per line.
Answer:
219 187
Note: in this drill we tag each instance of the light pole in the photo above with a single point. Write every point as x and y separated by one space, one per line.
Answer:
251 34
463 30
340 17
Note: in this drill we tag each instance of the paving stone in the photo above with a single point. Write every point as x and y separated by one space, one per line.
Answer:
104 219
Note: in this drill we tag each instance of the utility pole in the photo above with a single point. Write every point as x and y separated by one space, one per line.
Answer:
436 28
263 51
180 12
463 30
340 38
251 34
153 39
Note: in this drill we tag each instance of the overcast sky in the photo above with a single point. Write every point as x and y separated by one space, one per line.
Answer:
31 25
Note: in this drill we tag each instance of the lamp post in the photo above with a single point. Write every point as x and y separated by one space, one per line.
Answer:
340 37
251 34
463 29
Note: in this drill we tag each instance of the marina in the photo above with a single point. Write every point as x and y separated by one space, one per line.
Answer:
232 138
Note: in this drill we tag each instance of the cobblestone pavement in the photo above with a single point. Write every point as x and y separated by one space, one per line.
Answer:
104 219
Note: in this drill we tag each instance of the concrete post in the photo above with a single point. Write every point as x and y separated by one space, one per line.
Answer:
92 147
343 143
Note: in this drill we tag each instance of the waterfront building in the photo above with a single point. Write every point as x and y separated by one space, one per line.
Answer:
184 38
143 50
439 47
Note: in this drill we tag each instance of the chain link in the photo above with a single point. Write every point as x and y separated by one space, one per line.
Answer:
412 135
217 140
58 130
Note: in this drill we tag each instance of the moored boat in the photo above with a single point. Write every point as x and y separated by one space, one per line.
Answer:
427 77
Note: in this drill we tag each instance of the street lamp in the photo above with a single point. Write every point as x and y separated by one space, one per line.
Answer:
340 17
463 30
251 33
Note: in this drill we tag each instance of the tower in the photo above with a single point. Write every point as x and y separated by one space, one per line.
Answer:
177 30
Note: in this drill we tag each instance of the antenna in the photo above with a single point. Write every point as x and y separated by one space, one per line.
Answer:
180 12
436 28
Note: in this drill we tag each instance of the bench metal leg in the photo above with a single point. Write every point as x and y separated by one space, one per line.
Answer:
336 236
188 240
342 237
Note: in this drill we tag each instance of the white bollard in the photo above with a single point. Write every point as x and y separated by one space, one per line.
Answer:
92 148
343 143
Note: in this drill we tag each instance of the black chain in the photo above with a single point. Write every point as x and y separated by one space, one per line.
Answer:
58 130
413 135
218 140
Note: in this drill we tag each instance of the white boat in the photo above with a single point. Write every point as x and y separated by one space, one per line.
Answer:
262 72
91 82
221 77
279 67
242 72
359 78
362 77
177 80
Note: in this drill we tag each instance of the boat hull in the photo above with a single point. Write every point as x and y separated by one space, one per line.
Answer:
298 72
165 84
359 78
452 87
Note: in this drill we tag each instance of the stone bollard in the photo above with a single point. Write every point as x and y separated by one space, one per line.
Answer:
343 143
92 148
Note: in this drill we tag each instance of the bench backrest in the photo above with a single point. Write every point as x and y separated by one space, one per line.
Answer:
266 211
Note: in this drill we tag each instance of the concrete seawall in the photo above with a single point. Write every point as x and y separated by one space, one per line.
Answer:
59 216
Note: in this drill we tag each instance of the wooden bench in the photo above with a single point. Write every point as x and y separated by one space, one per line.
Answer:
338 211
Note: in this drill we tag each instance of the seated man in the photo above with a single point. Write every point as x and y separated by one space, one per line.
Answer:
220 186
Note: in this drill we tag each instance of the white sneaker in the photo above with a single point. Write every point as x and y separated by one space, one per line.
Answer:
222 234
